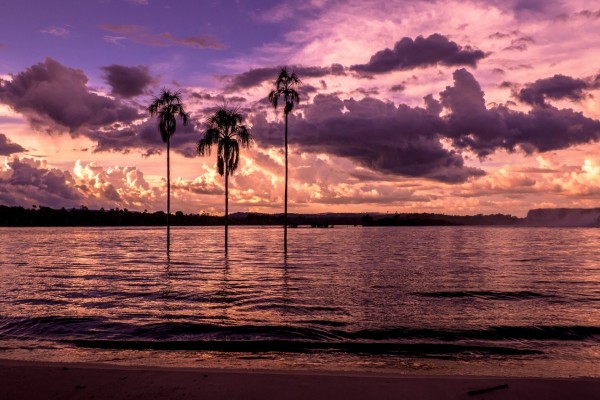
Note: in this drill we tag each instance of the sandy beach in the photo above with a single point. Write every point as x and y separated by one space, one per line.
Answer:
27 380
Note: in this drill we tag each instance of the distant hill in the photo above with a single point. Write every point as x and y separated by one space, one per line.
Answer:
566 217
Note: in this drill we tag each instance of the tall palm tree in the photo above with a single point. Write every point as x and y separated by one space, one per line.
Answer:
285 86
167 107
226 130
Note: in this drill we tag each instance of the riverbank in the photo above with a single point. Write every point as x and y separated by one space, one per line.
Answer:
30 380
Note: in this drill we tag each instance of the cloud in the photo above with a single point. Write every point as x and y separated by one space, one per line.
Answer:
288 10
256 76
56 98
470 124
28 182
520 43
377 135
146 136
406 141
199 185
7 147
127 82
420 53
587 14
217 98
556 87
139 34
57 31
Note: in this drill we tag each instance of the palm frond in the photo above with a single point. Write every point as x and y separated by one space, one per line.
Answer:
167 107
220 165
293 78
203 147
211 137
285 86
234 157
244 136
226 130
274 97
221 148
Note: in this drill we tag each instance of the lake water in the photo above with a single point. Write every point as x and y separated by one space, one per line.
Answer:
414 300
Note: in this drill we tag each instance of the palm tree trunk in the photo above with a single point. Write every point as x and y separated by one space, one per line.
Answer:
285 207
226 202
168 194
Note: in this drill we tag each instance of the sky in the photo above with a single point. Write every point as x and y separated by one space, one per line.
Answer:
457 107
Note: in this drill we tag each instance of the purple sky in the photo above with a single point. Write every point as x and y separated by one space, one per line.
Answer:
409 106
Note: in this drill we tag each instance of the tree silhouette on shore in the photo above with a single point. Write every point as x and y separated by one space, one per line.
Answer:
167 107
226 130
286 86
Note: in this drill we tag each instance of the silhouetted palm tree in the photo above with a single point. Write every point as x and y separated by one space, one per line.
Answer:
285 86
226 130
168 106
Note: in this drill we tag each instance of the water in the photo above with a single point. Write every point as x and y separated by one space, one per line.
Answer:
422 300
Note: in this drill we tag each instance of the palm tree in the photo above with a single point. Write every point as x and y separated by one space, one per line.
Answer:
285 86
168 106
226 130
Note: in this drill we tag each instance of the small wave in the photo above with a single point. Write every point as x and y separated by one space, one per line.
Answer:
486 294
233 332
566 333
295 309
336 324
42 302
290 346
65 328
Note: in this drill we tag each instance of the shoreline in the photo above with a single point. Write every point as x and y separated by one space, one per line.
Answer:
43 380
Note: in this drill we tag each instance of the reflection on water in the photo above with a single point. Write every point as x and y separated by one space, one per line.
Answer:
446 299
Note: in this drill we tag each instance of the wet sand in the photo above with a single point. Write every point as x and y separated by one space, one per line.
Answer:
27 380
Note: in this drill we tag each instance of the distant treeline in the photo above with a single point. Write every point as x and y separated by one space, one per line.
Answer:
46 216
425 219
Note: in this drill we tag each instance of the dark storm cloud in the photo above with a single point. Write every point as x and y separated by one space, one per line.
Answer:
378 135
30 182
146 136
125 81
470 124
406 141
307 89
556 88
8 147
256 76
54 97
419 53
